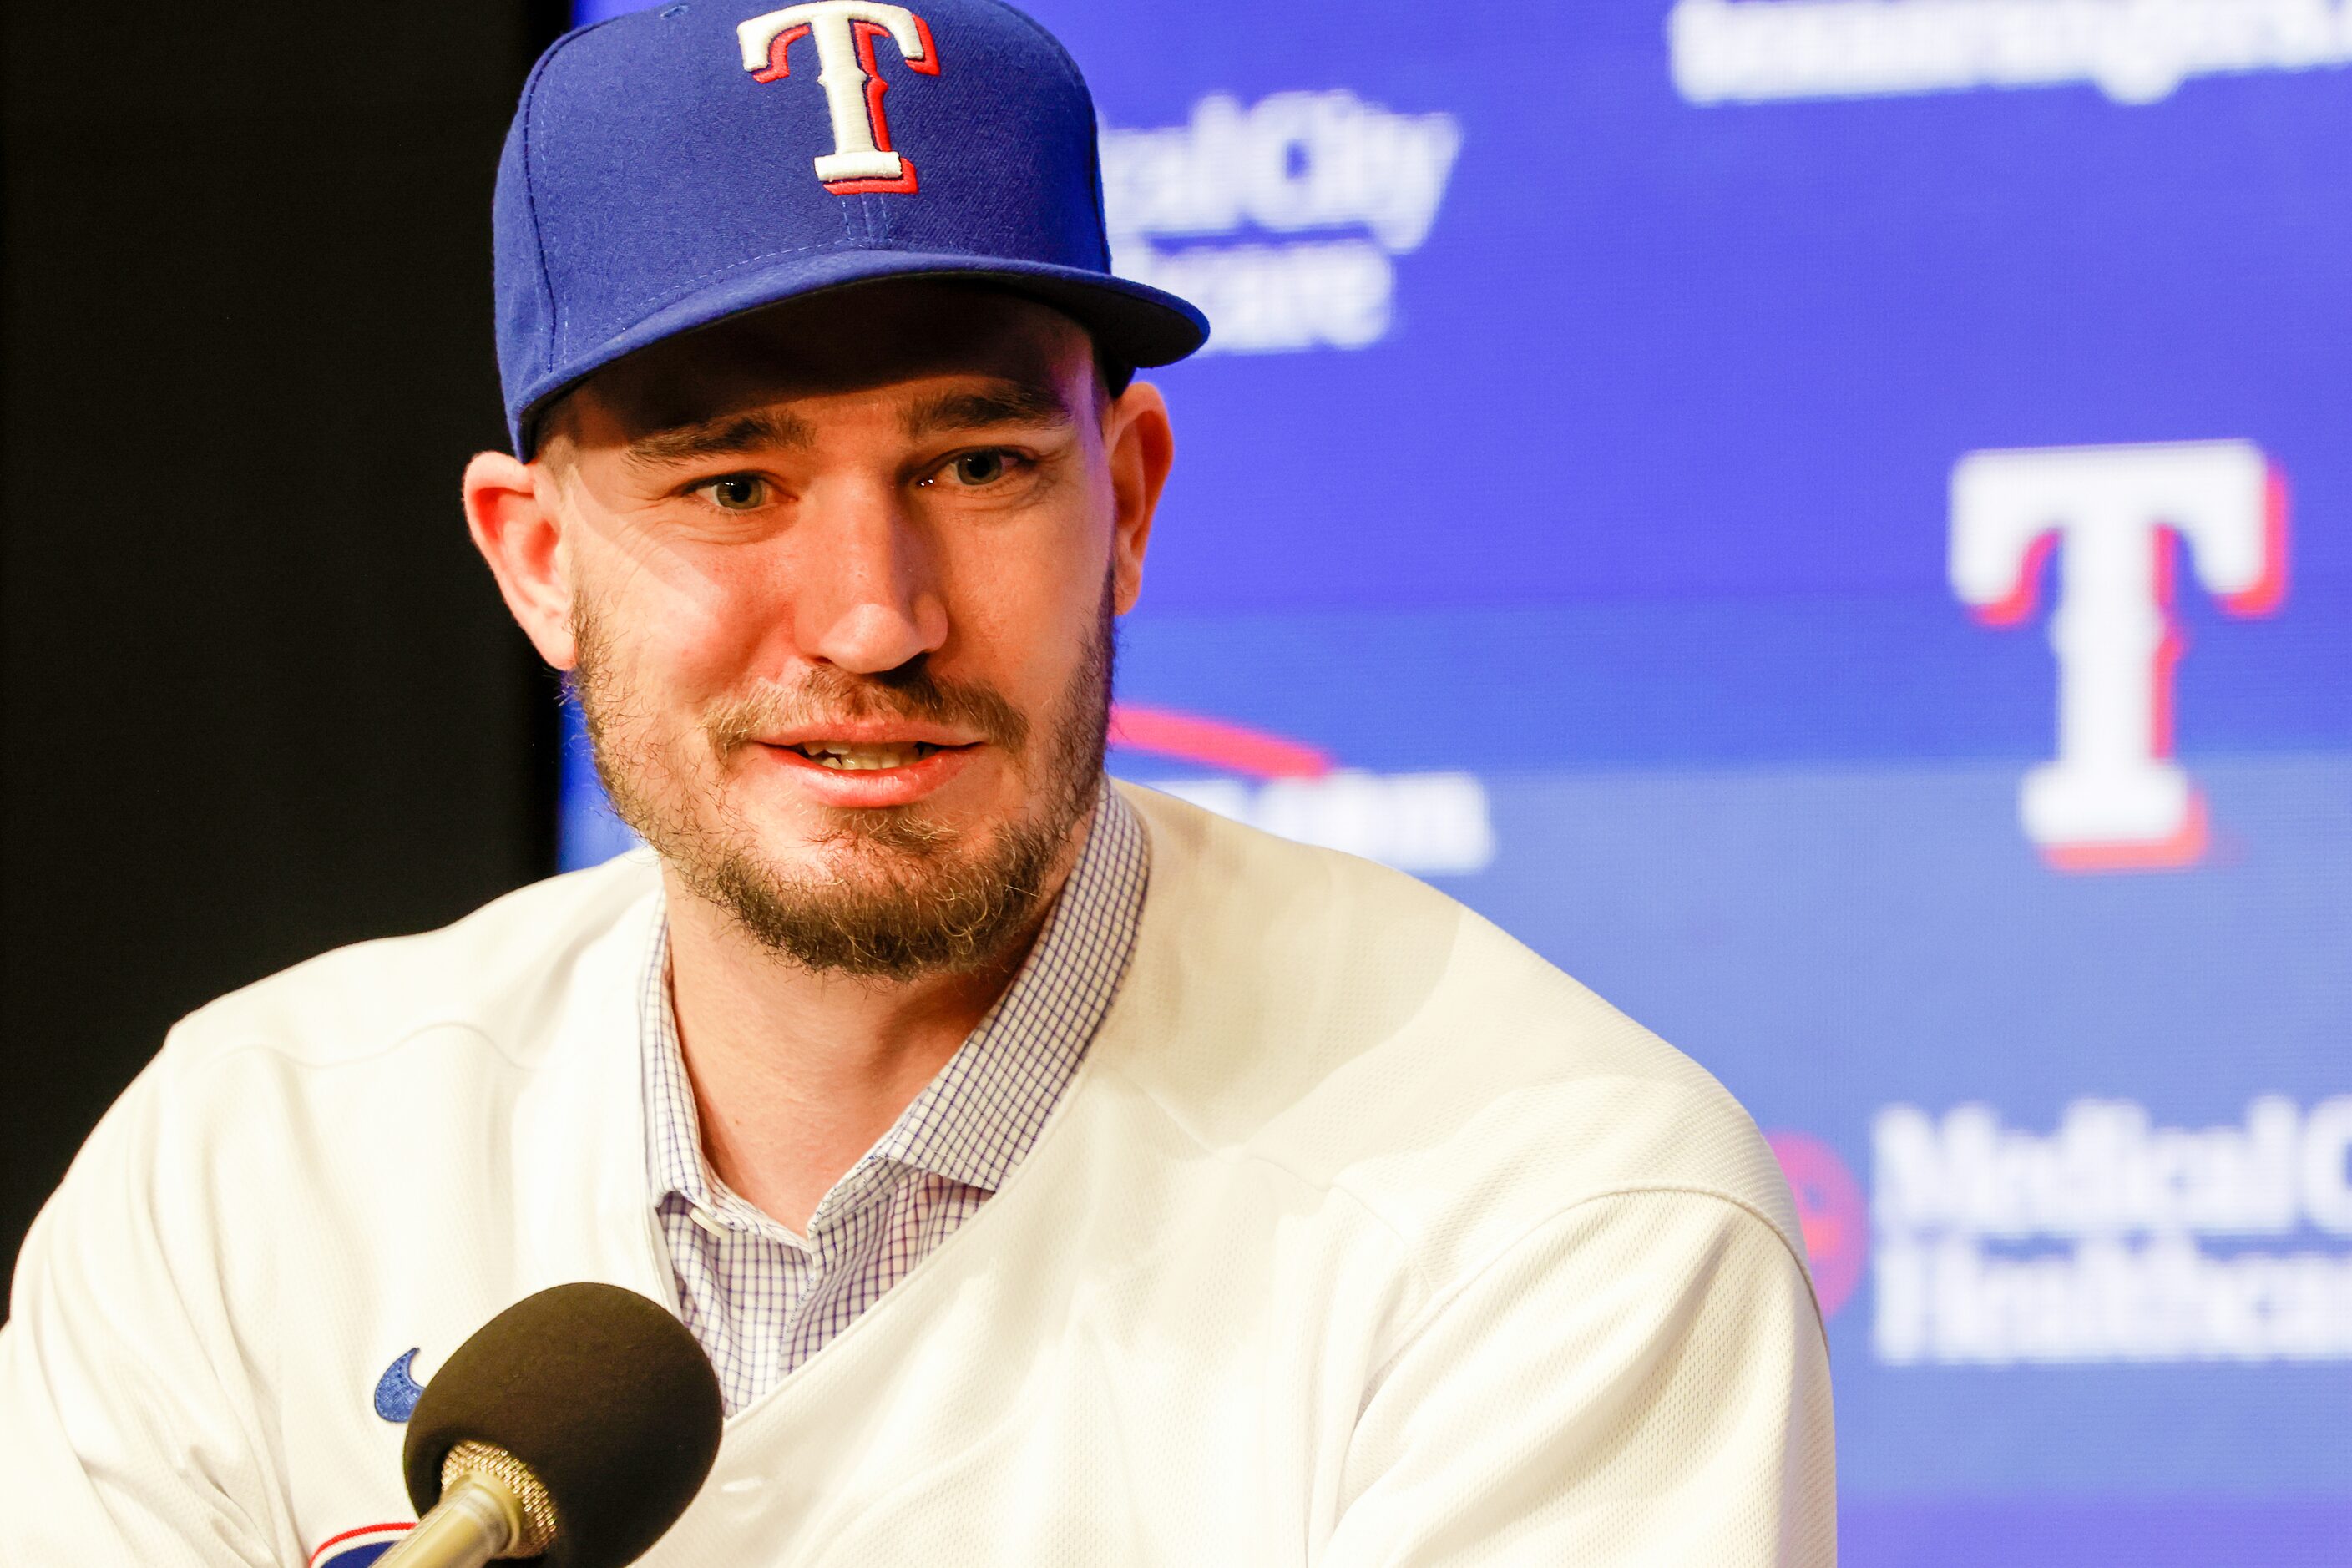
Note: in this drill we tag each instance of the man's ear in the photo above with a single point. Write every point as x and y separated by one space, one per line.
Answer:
510 512
1141 447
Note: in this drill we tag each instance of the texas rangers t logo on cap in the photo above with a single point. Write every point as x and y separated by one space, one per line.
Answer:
861 158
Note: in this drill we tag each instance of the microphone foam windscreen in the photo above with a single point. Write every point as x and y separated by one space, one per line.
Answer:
603 1394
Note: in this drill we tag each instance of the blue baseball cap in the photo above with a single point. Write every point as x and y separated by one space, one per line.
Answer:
672 168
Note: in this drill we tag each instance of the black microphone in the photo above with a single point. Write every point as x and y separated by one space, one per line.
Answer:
575 1426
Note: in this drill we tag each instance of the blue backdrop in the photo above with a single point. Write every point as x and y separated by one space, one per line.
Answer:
1567 513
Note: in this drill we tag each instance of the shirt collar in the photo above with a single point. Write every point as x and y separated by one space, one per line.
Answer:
975 1121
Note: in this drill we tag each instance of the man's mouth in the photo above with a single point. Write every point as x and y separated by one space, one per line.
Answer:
848 756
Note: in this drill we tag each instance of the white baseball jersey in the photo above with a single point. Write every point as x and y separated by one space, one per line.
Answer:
1363 1237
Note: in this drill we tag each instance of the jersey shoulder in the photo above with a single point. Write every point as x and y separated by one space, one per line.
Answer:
1366 1032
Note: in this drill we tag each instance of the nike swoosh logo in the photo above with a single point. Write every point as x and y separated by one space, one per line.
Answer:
396 1392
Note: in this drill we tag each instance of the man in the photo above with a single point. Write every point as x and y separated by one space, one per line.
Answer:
1054 1173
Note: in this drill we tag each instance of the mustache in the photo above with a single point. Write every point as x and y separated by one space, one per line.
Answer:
827 694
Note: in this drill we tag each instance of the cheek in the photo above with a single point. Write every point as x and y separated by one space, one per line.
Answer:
683 639
1024 618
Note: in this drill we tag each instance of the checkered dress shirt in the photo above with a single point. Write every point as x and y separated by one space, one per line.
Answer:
762 1300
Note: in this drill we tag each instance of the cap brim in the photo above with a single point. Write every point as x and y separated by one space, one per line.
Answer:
1132 322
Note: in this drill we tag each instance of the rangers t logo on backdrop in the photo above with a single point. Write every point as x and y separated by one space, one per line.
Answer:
2114 799
844 31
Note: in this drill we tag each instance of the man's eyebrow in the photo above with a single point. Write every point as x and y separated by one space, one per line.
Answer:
1012 402
722 437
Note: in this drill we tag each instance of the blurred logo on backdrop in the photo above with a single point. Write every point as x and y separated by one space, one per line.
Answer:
1281 219
2116 518
1830 1211
1425 823
2111 1237
2135 51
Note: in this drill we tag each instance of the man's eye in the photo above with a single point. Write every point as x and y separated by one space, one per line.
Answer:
736 492
979 468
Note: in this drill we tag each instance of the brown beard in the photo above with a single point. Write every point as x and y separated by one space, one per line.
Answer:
905 895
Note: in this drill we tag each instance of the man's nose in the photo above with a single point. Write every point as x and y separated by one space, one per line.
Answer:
868 598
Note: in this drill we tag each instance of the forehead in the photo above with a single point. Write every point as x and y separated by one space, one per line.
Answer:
852 340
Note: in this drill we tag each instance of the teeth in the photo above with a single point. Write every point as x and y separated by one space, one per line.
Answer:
848 758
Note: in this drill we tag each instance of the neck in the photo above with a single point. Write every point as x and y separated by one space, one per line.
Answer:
797 1073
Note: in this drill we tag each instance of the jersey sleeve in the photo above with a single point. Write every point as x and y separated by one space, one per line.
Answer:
127 1432
1642 1380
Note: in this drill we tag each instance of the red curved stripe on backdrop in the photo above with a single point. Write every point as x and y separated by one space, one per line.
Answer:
1233 747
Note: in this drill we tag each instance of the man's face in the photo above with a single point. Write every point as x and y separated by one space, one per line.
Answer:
841 581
